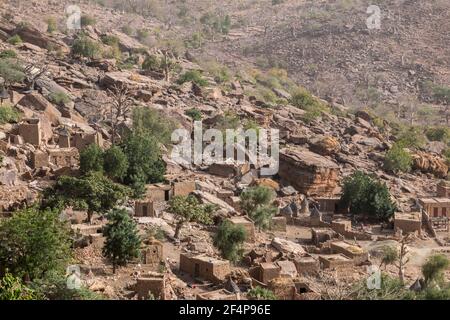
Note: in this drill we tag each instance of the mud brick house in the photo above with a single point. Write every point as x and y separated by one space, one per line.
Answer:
144 208
334 261
183 188
330 205
153 283
153 253
66 157
265 272
204 267
341 226
308 172
307 265
81 140
278 224
443 189
321 235
357 254
436 207
30 130
159 192
247 224
221 294
38 159
408 222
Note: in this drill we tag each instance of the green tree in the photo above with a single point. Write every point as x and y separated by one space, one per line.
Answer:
398 159
189 209
434 267
115 163
145 164
259 293
363 194
93 192
122 242
11 72
390 256
91 159
411 137
34 242
12 288
256 202
229 239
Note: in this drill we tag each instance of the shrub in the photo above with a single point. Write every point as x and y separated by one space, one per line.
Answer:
87 20
363 194
302 99
438 134
122 242
127 30
142 34
8 114
59 98
229 239
12 288
8 54
194 114
151 122
91 159
14 40
51 25
434 267
11 72
411 137
256 202
193 76
85 47
259 293
152 63
398 159
110 40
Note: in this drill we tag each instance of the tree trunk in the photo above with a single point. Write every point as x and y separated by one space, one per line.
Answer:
178 229
89 214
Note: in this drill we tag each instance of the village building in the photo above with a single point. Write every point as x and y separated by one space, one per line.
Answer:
38 159
64 139
307 265
410 222
204 267
265 272
183 188
334 261
341 226
158 192
30 130
81 140
287 269
221 294
321 235
356 253
329 205
144 208
436 207
153 253
443 189
154 284
66 157
247 224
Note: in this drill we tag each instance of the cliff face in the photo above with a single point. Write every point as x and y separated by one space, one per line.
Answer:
308 172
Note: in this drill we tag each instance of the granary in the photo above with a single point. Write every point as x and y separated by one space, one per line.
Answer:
154 284
66 157
334 261
247 224
81 140
153 253
436 207
158 192
38 159
221 294
64 138
30 130
307 265
183 188
204 267
320 235
408 222
308 172
278 224
443 189
357 254
144 208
